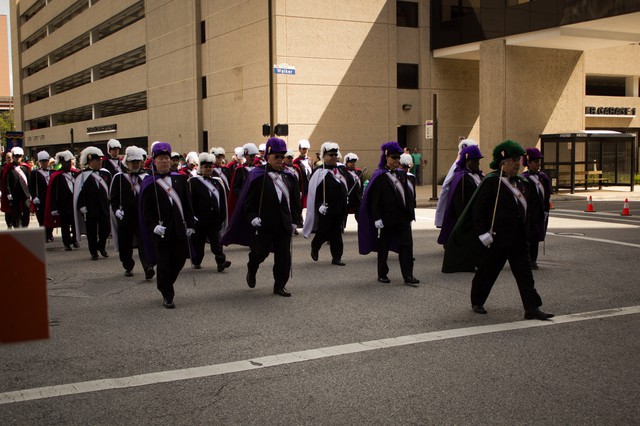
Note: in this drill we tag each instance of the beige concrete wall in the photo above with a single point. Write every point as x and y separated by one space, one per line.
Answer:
173 75
236 62
528 91
5 89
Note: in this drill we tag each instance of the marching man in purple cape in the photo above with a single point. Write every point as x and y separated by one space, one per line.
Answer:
386 214
465 181
166 221
267 213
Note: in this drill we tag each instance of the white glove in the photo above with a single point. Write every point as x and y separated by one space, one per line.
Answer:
160 230
256 222
55 213
120 214
323 209
486 239
379 224
190 232
10 197
36 201
83 210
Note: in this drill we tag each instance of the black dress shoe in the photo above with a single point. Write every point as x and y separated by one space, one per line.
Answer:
282 292
49 239
534 266
168 304
314 255
412 281
479 309
67 248
128 273
251 279
149 273
338 262
384 279
76 244
224 266
104 253
197 267
537 314
94 257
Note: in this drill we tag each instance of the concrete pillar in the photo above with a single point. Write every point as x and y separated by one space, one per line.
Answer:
632 84
493 93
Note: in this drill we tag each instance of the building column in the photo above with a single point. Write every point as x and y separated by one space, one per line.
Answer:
493 93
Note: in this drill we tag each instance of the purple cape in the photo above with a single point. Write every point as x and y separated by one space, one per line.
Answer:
240 230
367 232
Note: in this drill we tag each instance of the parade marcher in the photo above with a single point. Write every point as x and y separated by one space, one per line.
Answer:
241 173
444 192
268 211
306 168
493 230
166 221
259 159
191 168
112 161
464 183
386 214
59 200
38 184
327 205
220 169
5 204
209 200
124 193
15 190
91 202
175 161
406 164
354 183
541 205
236 160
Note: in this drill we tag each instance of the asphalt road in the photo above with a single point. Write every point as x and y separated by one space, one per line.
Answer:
345 349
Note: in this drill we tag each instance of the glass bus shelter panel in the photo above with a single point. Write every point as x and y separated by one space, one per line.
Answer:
564 152
623 167
609 163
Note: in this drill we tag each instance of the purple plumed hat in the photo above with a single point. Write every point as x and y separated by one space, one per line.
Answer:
388 149
275 145
531 154
471 152
160 148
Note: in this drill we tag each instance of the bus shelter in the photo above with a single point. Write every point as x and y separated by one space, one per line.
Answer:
589 159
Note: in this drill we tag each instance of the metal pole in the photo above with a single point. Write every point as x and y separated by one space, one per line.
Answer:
271 85
434 151
71 134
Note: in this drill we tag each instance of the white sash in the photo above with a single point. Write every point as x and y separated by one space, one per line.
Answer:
516 192
536 181
70 180
476 178
218 170
171 193
356 178
135 186
101 182
45 175
115 165
394 180
212 189
281 188
22 175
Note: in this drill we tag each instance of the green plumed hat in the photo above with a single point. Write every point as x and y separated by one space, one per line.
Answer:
504 150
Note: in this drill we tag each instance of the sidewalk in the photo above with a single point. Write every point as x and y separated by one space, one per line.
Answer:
607 193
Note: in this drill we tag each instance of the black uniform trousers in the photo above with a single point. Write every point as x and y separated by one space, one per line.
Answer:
98 230
262 242
20 213
40 216
127 234
329 229
204 231
405 249
487 274
170 257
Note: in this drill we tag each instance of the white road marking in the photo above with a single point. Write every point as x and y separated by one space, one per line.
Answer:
294 357
599 240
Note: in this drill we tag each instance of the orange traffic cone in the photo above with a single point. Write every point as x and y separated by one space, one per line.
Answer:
590 208
625 208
